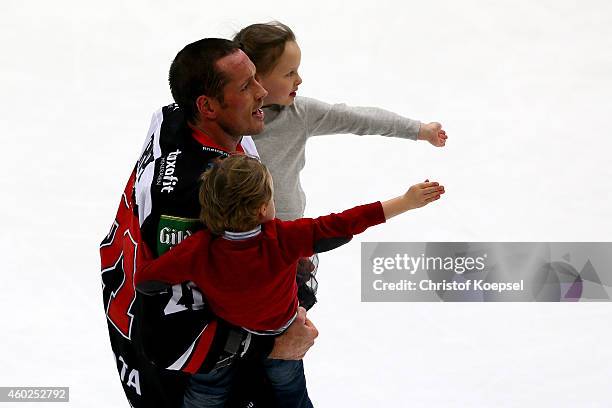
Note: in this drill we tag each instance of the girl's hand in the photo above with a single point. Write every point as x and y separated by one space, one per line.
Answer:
433 133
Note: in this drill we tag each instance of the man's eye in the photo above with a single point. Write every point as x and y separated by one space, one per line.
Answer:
244 88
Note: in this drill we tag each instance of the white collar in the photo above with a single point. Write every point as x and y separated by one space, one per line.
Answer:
241 236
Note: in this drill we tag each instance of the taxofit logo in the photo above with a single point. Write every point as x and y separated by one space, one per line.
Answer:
166 175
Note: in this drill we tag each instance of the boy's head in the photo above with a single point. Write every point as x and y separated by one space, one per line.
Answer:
276 55
236 195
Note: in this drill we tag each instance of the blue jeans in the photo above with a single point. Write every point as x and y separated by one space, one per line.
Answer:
286 377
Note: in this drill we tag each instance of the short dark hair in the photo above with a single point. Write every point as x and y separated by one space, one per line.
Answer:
264 43
194 73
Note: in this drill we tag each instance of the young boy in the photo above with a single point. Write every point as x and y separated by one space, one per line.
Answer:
246 262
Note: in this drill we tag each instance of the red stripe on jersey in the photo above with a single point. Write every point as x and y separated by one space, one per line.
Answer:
201 349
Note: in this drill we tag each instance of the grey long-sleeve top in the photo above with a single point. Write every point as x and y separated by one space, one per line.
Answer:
281 145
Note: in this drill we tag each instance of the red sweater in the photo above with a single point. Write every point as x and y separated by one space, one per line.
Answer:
252 282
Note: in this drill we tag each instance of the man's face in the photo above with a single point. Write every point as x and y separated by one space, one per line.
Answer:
240 113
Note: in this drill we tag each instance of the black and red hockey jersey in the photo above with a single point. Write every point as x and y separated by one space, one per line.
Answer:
158 209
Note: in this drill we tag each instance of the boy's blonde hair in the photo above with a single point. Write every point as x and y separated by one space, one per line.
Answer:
232 192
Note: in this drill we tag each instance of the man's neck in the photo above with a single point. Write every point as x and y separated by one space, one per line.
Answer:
228 142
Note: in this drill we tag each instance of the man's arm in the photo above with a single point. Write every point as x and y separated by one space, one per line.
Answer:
291 345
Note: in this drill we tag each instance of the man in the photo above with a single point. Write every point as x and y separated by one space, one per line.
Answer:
218 101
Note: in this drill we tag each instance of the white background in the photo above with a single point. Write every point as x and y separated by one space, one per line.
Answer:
522 88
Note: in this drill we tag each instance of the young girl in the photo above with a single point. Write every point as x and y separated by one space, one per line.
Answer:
246 261
290 119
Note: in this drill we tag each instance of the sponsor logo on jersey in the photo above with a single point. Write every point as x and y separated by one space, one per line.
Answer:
166 177
170 236
220 152
172 231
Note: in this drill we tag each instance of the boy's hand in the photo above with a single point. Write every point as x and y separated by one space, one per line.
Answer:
417 196
433 133
422 194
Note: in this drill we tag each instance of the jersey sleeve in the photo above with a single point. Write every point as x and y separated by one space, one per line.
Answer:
306 236
328 119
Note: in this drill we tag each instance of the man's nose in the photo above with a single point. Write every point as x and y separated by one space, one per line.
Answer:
299 80
261 91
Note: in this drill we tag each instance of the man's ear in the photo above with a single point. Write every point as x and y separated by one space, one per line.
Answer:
206 107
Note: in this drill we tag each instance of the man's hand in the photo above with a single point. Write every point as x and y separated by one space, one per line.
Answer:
433 133
295 342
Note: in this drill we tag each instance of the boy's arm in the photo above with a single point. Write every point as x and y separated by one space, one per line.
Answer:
175 266
417 196
306 236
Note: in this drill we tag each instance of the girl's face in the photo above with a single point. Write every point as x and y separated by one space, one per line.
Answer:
283 80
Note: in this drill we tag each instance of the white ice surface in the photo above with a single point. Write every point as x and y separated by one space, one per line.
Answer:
522 88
